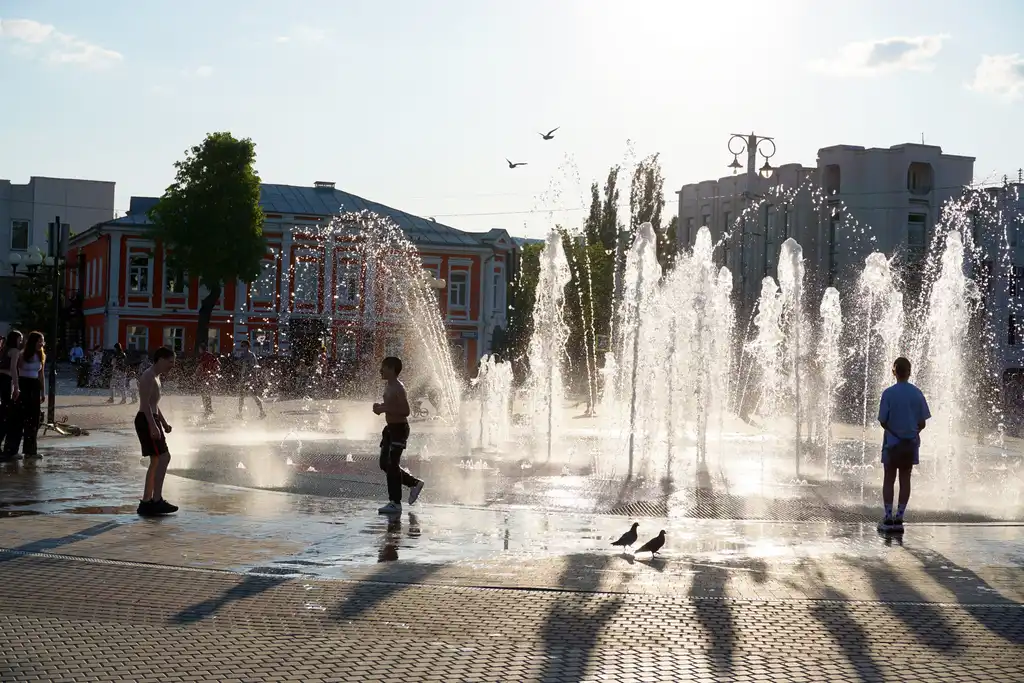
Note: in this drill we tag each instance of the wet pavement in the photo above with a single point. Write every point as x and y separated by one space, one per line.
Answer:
276 571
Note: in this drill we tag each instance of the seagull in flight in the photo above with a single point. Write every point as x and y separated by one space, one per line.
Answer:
550 135
518 163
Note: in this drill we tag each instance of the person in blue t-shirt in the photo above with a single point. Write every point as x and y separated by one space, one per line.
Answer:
903 413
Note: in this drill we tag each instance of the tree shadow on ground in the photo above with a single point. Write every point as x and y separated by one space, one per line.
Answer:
921 618
833 613
997 613
577 618
47 544
715 617
249 586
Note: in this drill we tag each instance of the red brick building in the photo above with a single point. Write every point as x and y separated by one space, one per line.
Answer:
119 278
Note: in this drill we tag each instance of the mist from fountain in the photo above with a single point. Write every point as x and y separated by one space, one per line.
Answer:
494 383
830 361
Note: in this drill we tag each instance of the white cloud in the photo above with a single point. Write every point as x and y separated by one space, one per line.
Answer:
204 71
1001 76
303 35
45 41
872 57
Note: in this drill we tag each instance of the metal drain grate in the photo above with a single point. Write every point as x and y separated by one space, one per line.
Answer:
641 508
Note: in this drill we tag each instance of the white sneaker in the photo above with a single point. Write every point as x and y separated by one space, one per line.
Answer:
390 509
415 491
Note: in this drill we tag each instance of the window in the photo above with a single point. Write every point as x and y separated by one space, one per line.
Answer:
265 286
689 231
834 233
499 290
174 280
771 249
174 339
20 231
726 221
1012 338
348 283
919 178
784 233
138 338
138 274
917 237
88 278
213 340
307 281
705 220
458 288
1016 277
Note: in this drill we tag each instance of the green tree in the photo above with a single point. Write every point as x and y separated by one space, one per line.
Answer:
646 194
522 295
592 228
34 304
210 218
668 244
609 229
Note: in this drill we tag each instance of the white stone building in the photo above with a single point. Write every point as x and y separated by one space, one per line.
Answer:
28 210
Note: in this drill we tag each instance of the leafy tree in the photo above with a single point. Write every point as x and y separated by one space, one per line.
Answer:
210 218
646 194
668 244
592 228
34 304
609 229
522 295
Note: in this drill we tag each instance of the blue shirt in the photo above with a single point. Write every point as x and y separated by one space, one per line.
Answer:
902 408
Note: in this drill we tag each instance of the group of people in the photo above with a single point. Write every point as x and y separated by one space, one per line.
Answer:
22 393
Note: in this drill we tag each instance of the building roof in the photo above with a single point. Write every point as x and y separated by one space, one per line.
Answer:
326 201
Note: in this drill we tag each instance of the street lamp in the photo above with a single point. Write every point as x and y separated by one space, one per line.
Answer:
753 145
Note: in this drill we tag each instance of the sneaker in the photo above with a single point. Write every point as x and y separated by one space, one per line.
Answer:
415 491
885 524
897 523
391 508
146 509
162 507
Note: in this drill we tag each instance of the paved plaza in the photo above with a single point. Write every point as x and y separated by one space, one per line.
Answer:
262 579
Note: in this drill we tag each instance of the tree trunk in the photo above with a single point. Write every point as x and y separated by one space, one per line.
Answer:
205 310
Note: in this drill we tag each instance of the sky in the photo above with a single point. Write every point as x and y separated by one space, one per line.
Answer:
419 104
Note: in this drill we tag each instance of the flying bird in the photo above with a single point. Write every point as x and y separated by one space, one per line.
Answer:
629 538
654 545
550 135
518 163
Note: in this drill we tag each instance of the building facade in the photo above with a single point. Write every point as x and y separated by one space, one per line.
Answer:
311 287
855 201
26 213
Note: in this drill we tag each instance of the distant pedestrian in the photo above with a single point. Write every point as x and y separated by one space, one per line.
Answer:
76 355
247 378
30 369
207 372
903 413
151 427
9 386
395 408
118 374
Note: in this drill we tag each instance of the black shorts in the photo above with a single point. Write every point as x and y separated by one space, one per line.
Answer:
395 437
150 447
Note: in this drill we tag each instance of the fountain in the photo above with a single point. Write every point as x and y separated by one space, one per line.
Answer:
830 361
547 343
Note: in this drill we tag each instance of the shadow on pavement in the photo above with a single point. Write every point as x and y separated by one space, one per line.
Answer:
715 617
248 587
48 544
576 620
964 584
923 619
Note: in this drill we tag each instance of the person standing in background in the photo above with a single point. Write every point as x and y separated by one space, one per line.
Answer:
9 356
206 374
31 395
247 378
118 376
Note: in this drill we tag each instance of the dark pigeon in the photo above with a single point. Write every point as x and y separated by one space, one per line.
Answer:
629 538
654 545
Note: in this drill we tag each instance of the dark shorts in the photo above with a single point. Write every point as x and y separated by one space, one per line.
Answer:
150 447
395 437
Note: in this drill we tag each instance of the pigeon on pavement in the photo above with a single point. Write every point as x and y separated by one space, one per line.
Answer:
629 538
654 545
